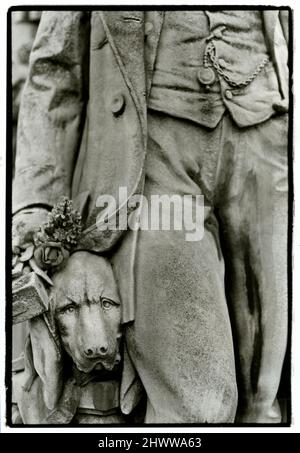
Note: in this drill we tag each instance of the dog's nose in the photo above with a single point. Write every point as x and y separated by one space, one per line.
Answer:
96 352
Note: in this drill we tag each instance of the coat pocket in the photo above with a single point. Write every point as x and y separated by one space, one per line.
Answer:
98 35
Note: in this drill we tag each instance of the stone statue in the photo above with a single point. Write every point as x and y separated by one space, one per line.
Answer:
172 103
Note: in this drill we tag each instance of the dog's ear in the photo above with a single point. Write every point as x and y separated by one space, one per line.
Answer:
131 391
46 359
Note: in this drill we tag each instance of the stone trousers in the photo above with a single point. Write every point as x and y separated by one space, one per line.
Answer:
211 316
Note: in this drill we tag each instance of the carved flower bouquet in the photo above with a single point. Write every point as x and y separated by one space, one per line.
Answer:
53 242
50 248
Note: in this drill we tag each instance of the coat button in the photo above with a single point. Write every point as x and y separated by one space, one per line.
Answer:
117 104
228 94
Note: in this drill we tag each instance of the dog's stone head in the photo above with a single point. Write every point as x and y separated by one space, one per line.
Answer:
86 308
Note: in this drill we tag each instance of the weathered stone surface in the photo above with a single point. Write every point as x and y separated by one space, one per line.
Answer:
30 298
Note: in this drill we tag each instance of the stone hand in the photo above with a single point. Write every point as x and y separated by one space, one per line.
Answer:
24 226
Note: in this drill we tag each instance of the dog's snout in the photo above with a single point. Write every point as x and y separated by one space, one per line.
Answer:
93 352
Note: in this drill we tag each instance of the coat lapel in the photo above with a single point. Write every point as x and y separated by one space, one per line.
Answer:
125 33
156 19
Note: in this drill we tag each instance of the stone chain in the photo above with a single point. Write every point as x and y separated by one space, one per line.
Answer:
210 54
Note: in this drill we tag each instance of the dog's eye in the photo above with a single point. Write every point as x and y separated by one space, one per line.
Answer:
107 304
69 309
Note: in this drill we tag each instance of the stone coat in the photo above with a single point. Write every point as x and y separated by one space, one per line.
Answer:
83 125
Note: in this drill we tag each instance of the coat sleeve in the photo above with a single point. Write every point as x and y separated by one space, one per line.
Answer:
52 110
284 21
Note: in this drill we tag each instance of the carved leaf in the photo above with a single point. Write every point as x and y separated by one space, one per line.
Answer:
39 272
27 255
